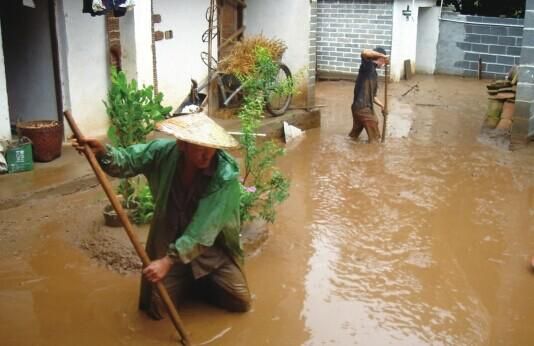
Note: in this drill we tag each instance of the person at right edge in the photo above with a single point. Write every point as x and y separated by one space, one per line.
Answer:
365 91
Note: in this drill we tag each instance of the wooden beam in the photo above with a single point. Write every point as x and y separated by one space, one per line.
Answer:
233 37
240 3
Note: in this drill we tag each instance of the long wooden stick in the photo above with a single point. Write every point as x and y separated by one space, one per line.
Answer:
385 110
108 189
209 94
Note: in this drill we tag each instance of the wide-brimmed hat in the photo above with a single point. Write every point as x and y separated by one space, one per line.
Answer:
199 129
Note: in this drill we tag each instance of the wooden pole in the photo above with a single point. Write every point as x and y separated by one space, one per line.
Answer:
210 95
108 189
385 110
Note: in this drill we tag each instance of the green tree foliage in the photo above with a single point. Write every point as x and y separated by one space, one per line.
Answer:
491 8
263 185
133 112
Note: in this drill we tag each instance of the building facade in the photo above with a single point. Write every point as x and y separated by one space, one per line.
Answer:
54 57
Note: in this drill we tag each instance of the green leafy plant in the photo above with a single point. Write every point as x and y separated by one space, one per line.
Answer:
144 210
263 185
133 112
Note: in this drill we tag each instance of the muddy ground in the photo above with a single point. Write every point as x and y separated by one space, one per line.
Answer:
423 240
109 247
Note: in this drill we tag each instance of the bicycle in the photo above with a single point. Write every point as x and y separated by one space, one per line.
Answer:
229 88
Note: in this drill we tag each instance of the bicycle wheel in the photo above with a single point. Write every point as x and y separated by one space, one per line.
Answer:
278 104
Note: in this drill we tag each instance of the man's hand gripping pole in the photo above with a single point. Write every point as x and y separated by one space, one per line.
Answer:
108 189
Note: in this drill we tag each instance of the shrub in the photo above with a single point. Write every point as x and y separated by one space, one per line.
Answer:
263 185
133 112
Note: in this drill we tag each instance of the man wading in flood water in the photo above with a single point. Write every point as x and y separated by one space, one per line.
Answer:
365 91
194 236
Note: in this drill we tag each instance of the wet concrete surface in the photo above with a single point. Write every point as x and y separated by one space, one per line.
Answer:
423 240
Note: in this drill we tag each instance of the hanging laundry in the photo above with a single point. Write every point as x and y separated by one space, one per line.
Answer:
88 8
121 6
100 7
125 3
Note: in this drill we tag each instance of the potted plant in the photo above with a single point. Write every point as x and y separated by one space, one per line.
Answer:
133 112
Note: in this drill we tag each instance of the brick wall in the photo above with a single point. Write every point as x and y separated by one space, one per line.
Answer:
345 28
523 126
465 39
114 40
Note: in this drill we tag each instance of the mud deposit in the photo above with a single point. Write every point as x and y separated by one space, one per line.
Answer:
111 248
423 240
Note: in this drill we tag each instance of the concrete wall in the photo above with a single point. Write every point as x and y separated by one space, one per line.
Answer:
143 42
87 66
29 66
523 126
427 40
289 21
178 59
404 38
128 42
465 39
136 43
345 28
63 54
5 129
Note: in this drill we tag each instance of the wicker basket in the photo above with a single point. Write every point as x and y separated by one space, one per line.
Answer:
46 137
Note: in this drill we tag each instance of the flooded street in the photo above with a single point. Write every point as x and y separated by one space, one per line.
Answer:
423 240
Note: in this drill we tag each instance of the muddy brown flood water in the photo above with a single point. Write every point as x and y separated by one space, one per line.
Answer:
423 240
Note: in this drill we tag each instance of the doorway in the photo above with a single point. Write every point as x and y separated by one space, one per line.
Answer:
30 58
427 39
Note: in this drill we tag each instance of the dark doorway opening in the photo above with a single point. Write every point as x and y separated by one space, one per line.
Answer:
30 58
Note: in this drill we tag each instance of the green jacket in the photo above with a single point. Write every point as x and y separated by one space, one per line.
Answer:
218 209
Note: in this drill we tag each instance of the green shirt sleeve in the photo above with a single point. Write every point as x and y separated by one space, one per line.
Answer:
217 211
131 161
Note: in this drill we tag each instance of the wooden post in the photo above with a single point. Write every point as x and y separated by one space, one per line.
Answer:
385 110
211 88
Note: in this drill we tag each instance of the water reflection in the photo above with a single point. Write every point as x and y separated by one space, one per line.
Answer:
408 237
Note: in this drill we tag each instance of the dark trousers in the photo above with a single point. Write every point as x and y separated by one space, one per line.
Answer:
365 118
225 287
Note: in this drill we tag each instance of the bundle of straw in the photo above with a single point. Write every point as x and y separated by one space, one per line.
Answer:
242 58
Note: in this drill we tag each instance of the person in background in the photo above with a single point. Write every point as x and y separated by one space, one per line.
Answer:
365 91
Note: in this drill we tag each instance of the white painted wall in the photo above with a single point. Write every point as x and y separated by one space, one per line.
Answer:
128 44
427 39
143 42
286 20
178 59
136 43
63 61
87 65
5 129
404 41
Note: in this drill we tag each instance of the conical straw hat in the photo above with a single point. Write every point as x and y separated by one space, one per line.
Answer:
199 129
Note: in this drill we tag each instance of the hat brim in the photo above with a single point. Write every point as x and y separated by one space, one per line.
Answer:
199 129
